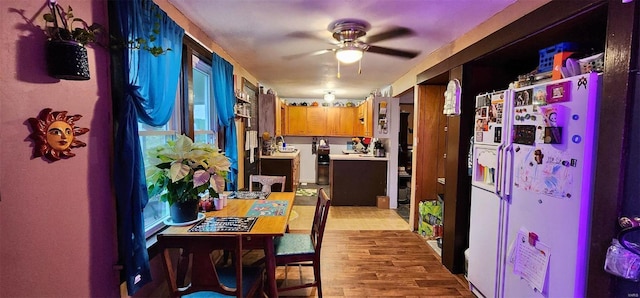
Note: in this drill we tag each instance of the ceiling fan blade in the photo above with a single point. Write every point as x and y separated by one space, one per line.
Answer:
308 35
316 53
393 52
389 34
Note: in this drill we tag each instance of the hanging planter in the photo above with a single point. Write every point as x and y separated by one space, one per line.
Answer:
67 60
66 54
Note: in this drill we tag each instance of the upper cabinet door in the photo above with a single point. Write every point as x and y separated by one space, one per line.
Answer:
267 119
316 121
321 121
296 120
333 121
348 121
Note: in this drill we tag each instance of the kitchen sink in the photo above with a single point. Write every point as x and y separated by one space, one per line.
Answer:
287 150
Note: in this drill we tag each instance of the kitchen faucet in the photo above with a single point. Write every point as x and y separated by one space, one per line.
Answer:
281 143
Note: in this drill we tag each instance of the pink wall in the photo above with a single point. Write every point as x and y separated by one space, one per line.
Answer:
57 220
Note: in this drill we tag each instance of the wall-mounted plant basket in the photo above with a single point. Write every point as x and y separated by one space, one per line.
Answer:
67 60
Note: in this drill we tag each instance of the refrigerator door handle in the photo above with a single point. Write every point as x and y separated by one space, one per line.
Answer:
508 169
498 182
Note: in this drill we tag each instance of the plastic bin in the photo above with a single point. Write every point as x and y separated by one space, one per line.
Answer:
546 55
430 214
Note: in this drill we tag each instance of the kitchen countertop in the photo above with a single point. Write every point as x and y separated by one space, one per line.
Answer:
281 155
357 157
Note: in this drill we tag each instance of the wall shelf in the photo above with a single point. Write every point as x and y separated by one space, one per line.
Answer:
242 100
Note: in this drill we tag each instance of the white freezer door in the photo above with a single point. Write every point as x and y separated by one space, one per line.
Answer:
483 242
552 188
489 118
485 167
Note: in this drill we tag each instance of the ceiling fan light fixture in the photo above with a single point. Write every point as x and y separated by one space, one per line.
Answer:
329 97
349 54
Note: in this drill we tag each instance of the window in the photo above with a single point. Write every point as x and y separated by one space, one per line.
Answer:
157 211
205 122
199 118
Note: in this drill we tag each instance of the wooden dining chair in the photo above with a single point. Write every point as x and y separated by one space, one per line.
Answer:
204 278
267 182
304 249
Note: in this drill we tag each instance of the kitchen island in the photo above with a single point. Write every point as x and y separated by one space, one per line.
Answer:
357 179
282 164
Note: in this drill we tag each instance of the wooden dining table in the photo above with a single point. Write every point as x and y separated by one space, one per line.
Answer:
266 227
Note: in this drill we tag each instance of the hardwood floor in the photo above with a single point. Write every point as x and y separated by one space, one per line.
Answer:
367 252
370 252
375 263
350 218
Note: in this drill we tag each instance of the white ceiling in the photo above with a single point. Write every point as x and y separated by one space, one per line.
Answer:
260 34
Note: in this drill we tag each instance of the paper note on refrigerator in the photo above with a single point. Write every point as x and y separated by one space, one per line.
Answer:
544 170
530 261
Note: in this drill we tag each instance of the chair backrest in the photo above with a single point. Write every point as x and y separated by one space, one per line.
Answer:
203 275
320 219
267 181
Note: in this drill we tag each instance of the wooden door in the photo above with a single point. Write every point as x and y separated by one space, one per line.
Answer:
427 153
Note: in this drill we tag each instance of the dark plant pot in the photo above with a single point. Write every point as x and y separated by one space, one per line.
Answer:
67 60
184 211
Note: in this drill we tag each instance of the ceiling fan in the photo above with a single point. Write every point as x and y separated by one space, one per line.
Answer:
352 43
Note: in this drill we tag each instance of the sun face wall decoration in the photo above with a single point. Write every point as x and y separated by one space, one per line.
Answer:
55 134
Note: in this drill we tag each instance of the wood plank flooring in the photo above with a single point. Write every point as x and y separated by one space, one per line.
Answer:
375 263
350 218
367 252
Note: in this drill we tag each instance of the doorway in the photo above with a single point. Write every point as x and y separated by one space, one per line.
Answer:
405 152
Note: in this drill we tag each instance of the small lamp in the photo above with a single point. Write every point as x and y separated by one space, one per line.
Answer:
349 54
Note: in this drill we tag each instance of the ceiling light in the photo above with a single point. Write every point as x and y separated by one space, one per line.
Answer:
329 96
349 53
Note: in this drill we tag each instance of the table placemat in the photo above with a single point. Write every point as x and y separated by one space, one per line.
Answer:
268 208
249 195
225 224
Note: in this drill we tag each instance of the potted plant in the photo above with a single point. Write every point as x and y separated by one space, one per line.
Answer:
66 53
181 171
68 36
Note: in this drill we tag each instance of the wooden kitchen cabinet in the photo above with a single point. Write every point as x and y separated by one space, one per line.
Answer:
368 119
364 126
270 120
281 115
357 182
341 121
359 127
320 121
296 120
316 121
289 167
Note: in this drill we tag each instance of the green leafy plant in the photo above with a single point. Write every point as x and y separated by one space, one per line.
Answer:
182 170
147 44
62 25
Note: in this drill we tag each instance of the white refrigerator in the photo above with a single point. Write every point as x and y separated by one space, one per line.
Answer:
534 242
486 206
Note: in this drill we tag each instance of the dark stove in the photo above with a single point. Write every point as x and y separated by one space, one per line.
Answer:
322 170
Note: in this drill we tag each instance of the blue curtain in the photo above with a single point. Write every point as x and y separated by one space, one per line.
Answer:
224 98
150 85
